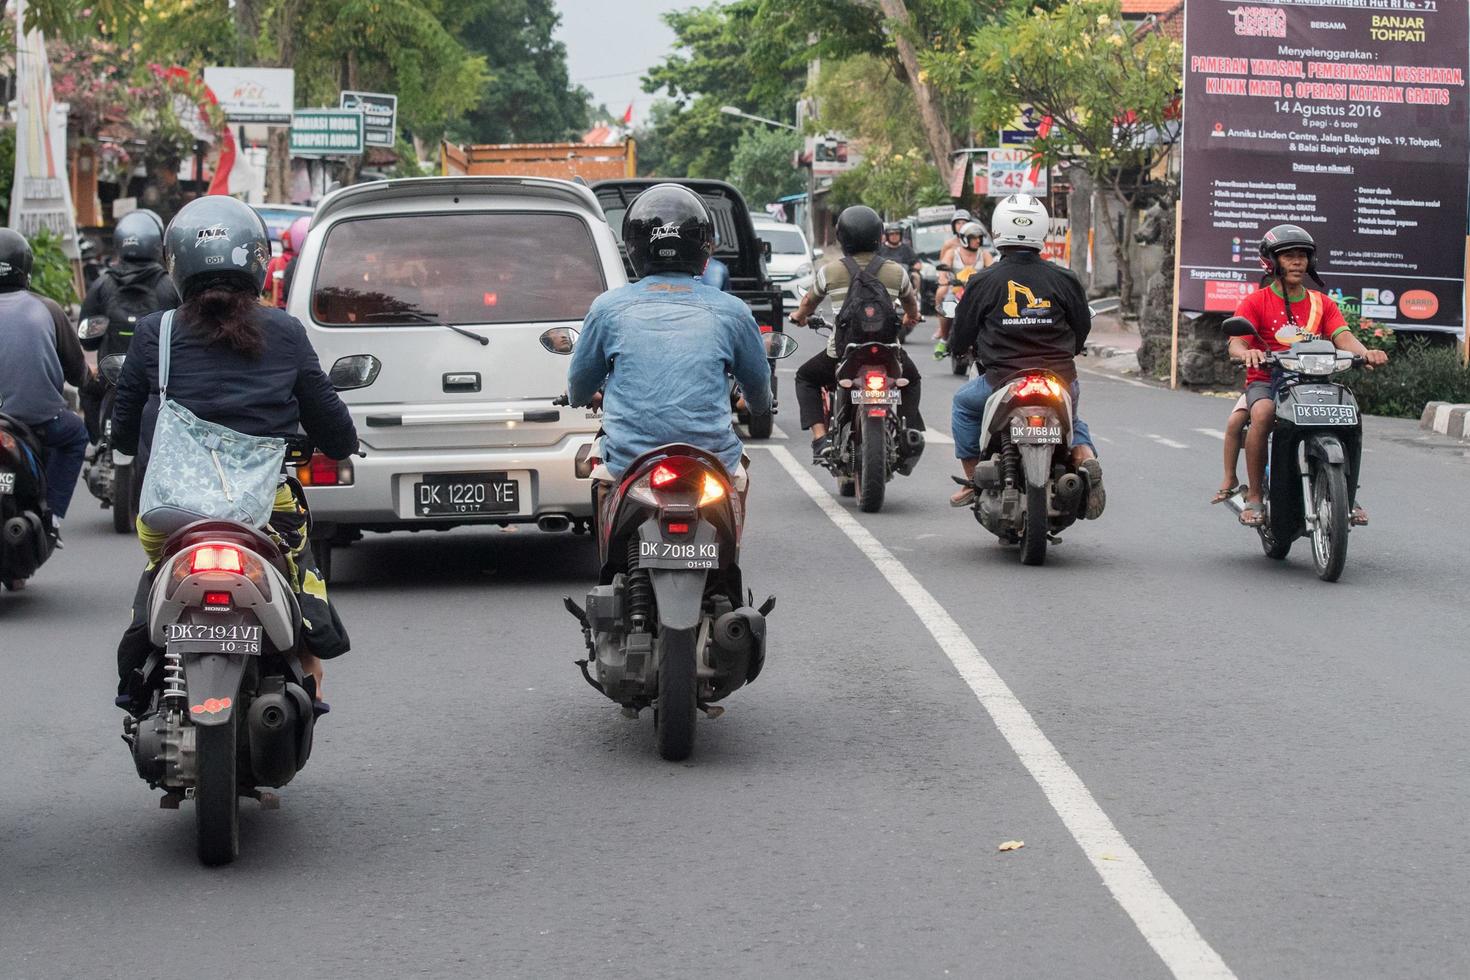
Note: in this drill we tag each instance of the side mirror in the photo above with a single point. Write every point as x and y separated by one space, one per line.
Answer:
92 327
111 366
1238 326
765 250
354 371
817 253
560 340
779 345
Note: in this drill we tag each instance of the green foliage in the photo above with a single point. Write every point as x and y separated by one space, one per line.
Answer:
52 274
1372 335
894 185
761 165
529 97
1419 373
7 171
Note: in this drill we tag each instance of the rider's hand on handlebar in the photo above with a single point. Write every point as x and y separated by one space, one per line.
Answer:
799 319
912 319
1375 358
1254 357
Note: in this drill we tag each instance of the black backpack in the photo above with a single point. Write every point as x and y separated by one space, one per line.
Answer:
867 315
128 303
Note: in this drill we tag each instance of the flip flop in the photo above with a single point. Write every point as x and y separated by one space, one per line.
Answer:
1254 515
1223 495
1358 517
965 497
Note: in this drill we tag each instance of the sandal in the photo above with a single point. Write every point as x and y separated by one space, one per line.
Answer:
1253 515
1358 518
965 497
1225 493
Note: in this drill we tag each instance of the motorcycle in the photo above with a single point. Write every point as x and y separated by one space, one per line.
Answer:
1314 454
863 416
25 520
760 426
228 707
114 483
1026 487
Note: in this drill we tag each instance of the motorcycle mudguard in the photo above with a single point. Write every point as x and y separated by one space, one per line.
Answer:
1326 448
1036 462
679 595
213 683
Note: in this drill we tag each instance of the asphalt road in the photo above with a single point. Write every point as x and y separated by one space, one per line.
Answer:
1283 763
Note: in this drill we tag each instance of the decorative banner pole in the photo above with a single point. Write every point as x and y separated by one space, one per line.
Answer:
40 196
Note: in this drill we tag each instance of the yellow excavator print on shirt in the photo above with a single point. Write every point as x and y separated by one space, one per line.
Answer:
1017 292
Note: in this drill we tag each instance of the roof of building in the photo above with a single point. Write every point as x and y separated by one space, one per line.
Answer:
1140 8
1165 16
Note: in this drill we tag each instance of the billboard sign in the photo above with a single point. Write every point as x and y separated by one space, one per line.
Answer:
1022 130
1347 117
254 95
379 116
831 154
326 133
40 195
1014 171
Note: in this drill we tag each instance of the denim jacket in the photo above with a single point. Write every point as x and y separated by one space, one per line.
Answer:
665 346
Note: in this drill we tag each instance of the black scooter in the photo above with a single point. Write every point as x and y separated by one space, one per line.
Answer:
1315 453
25 520
116 484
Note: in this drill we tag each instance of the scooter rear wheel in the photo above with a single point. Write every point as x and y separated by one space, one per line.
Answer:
1033 536
677 706
216 795
122 496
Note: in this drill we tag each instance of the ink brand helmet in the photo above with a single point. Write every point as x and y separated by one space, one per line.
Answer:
217 241
668 228
139 236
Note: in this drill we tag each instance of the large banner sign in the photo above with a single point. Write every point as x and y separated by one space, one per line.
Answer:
1347 117
40 197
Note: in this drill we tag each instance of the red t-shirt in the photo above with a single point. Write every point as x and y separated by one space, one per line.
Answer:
1266 310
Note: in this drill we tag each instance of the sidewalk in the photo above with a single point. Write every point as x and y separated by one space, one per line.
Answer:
1113 345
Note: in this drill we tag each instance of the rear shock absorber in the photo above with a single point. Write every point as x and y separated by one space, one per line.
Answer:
1010 464
640 591
175 696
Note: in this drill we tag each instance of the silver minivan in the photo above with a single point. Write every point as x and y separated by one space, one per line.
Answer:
449 306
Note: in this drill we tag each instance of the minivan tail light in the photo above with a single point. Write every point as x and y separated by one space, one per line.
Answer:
323 471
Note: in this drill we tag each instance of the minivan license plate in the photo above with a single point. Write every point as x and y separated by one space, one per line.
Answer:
466 493
7 482
1326 414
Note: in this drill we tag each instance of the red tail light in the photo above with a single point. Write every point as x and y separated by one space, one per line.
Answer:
1039 384
216 558
323 471
876 382
218 599
677 527
7 442
662 476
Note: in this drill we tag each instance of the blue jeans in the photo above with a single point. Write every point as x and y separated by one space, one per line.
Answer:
969 412
65 439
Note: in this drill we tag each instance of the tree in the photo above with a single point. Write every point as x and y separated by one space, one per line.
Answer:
530 99
1112 95
761 166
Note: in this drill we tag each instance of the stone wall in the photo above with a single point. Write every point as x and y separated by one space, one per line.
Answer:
1204 359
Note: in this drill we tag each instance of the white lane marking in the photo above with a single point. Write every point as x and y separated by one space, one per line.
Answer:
1113 377
1162 922
1212 433
778 433
1103 439
934 435
1166 442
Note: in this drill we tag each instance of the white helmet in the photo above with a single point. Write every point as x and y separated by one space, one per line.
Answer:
971 229
1020 220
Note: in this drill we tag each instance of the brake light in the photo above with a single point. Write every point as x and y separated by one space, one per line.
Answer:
323 471
662 476
7 442
1039 384
217 599
877 382
713 491
679 527
216 558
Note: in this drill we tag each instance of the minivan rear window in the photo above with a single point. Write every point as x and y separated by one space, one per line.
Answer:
474 268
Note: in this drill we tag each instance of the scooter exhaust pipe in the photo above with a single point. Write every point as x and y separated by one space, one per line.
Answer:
1069 486
740 642
554 522
273 722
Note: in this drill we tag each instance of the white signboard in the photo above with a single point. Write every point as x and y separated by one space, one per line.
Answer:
831 154
254 95
379 116
1015 172
41 196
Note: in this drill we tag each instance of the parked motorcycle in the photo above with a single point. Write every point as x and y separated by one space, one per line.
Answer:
1026 488
671 624
1315 453
25 520
110 481
229 708
863 417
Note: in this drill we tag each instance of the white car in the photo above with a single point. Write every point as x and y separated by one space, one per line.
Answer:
447 307
791 262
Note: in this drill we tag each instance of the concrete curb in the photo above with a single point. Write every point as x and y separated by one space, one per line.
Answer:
1447 418
1120 358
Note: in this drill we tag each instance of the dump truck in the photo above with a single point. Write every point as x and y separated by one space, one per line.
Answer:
589 161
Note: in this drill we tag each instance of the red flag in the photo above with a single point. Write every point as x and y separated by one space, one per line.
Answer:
628 116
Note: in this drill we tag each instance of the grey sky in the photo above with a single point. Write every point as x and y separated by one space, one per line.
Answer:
610 43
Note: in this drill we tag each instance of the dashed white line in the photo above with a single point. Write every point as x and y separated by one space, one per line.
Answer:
1162 922
1165 442
1212 433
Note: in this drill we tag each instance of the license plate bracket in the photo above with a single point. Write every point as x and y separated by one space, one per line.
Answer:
458 494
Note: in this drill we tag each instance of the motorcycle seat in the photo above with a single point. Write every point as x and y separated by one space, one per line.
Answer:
228 532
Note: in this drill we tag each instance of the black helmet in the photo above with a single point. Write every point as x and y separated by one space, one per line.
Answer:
217 241
16 260
139 236
1286 238
859 229
668 228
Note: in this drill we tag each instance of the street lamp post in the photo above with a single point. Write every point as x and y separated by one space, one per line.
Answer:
730 110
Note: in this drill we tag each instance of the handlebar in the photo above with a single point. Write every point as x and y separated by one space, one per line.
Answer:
561 400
